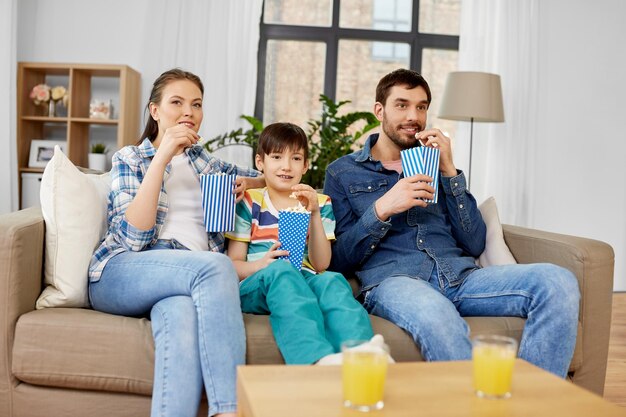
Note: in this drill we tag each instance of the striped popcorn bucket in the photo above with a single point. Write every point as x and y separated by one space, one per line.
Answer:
218 202
422 160
292 230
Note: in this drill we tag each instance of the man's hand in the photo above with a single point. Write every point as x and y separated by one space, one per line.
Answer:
434 138
407 193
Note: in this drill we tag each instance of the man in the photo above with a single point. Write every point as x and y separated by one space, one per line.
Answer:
415 260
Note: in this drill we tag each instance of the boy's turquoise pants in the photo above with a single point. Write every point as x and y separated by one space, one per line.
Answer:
310 314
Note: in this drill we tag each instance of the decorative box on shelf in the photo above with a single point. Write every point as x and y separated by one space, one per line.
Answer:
31 184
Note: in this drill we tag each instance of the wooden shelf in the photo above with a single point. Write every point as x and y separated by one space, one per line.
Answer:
36 170
75 124
94 121
46 119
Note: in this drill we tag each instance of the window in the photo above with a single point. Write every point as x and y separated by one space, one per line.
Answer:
391 15
342 48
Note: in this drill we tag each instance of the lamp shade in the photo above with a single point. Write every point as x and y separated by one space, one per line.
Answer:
472 96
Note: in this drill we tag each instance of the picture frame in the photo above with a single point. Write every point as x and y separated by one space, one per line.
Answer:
42 150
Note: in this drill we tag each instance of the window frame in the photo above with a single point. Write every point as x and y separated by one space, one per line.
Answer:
331 35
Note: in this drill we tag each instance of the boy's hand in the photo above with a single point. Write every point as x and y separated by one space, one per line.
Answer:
307 196
271 255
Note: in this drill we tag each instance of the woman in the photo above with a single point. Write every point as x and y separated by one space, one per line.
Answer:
157 257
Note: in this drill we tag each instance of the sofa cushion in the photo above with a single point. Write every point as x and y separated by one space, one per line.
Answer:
74 208
84 349
496 251
90 350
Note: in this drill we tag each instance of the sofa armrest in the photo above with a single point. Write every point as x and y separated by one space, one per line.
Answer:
21 272
592 262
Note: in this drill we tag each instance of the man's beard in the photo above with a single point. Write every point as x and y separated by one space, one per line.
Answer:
397 138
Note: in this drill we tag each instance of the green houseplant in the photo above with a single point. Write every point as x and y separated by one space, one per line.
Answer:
330 137
98 148
97 158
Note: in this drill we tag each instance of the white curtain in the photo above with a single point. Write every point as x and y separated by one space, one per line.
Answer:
8 68
501 37
216 40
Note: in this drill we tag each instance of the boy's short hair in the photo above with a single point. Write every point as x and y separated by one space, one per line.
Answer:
278 136
400 77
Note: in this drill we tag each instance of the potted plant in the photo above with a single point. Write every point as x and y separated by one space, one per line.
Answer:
329 137
97 158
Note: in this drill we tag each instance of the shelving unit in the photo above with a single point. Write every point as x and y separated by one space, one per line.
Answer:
83 82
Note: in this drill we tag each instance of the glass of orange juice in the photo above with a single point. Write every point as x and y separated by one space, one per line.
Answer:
493 358
364 371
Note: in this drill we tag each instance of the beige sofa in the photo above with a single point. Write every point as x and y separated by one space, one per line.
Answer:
79 362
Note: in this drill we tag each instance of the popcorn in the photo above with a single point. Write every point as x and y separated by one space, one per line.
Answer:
297 209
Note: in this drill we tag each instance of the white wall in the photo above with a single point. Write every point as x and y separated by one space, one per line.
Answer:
8 160
580 173
580 179
110 32
94 32
75 31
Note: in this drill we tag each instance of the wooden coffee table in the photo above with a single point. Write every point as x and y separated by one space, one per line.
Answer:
412 389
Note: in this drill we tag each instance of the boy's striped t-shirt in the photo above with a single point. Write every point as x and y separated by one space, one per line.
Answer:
256 222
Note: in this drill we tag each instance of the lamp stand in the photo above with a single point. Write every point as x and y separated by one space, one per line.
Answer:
469 176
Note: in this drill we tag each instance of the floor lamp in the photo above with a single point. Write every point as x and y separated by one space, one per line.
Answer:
472 97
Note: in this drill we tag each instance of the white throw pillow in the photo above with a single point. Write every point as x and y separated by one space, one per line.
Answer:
496 251
74 207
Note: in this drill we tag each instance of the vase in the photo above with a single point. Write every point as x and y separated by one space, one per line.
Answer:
97 161
45 107
52 108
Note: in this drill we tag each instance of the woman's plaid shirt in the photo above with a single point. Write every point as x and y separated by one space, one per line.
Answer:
129 167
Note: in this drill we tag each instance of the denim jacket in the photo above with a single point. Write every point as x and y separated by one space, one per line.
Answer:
449 234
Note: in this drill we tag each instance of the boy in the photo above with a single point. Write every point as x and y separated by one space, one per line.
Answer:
312 311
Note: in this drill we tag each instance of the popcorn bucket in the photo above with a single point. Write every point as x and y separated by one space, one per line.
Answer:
422 160
293 227
218 202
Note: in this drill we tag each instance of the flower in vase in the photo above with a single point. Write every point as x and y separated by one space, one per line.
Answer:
58 92
40 94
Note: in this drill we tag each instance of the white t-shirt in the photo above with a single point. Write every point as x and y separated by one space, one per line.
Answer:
184 221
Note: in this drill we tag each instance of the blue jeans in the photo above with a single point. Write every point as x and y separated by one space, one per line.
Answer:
193 301
310 314
431 312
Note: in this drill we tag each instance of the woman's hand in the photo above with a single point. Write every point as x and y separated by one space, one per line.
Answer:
307 196
174 141
245 183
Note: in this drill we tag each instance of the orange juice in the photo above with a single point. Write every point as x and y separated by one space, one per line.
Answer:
493 368
364 379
